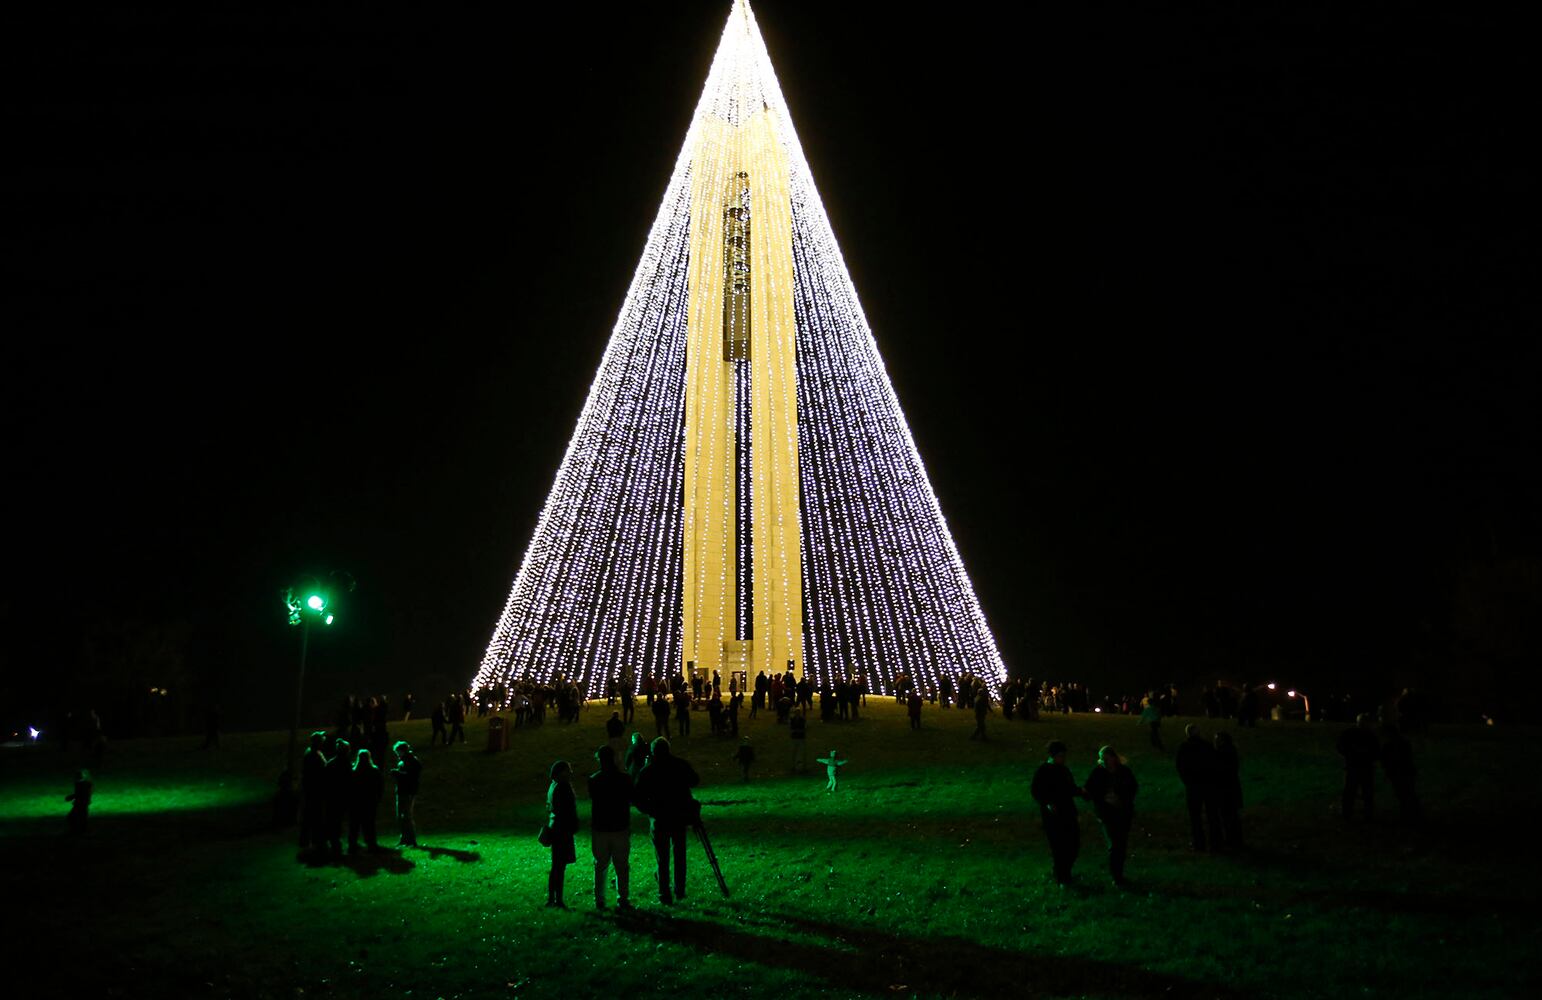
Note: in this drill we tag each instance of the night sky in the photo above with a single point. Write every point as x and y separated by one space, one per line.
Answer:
1208 322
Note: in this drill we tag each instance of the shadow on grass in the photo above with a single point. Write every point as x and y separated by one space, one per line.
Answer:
365 864
465 857
870 960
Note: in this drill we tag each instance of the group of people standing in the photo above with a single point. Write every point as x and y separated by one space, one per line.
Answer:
656 783
338 783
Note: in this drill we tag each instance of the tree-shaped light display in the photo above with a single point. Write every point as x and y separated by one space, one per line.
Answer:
867 555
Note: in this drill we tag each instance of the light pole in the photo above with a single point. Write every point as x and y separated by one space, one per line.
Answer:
309 601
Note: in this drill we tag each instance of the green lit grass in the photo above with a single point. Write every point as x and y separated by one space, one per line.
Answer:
924 875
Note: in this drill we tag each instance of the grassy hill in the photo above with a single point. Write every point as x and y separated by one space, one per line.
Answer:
925 875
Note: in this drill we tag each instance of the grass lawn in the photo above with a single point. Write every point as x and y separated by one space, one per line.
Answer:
926 874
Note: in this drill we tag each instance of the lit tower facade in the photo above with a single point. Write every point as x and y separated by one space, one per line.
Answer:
741 492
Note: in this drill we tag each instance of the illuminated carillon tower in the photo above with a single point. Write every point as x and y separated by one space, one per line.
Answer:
741 490
743 588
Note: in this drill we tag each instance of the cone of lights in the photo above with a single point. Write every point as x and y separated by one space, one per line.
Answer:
742 492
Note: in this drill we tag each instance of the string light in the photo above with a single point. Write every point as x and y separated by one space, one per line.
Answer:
599 591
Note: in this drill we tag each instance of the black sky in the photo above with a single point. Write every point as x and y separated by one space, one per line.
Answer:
1208 321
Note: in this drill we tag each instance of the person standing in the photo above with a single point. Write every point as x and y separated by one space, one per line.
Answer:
364 803
614 729
1112 788
1151 715
1228 789
1398 764
610 821
661 715
683 712
745 757
80 802
439 732
636 756
663 792
913 708
313 793
562 822
1359 748
407 774
1196 764
798 729
457 719
982 705
833 765
407 702
1055 790
339 786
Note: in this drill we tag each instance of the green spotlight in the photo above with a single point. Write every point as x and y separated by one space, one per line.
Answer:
315 602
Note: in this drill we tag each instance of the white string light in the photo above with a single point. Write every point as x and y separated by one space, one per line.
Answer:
599 589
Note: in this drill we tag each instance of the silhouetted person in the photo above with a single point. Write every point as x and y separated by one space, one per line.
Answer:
1056 792
286 805
745 757
982 705
339 791
407 702
610 820
562 821
798 730
457 720
661 715
439 732
663 793
1398 764
614 729
683 712
636 756
1359 748
1151 715
1111 787
1196 764
364 802
80 799
1228 789
408 775
913 708
313 793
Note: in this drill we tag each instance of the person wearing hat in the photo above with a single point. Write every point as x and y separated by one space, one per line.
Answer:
1360 748
1056 792
610 795
1111 787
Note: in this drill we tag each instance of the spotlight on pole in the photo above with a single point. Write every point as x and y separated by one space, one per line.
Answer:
310 600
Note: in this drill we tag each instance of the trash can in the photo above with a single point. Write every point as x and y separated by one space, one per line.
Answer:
497 734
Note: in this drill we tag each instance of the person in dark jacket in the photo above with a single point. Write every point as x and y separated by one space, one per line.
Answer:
339 784
661 715
982 705
1197 770
439 732
1111 787
1228 789
407 775
636 756
610 820
80 802
562 821
1359 748
313 793
663 792
364 802
1398 764
1056 793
